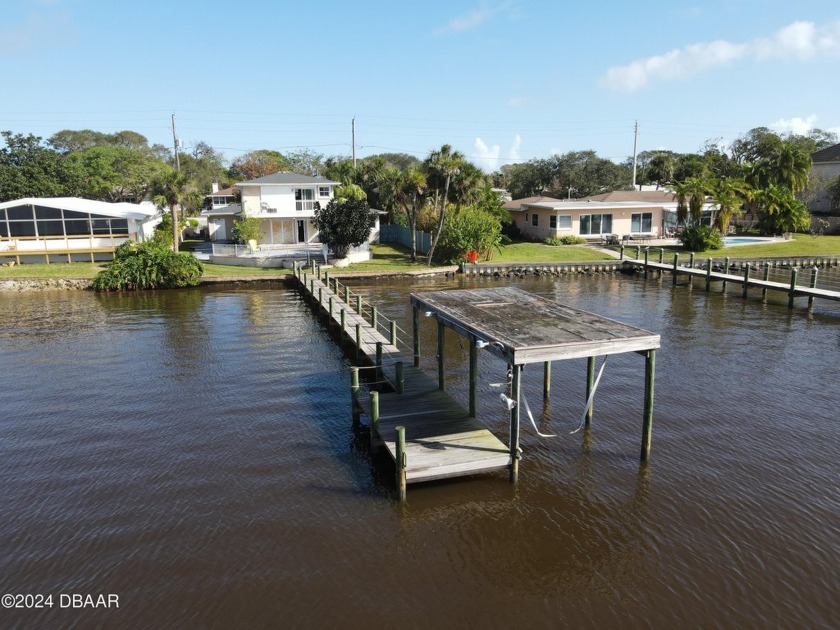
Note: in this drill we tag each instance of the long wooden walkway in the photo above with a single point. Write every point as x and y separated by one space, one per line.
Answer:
441 439
746 280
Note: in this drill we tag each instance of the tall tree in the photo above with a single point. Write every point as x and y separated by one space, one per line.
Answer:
443 164
29 169
113 173
691 196
257 163
405 190
172 190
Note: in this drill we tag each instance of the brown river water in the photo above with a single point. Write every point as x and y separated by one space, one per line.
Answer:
191 452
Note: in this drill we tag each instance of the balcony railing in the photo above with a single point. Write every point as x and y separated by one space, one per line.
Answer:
304 206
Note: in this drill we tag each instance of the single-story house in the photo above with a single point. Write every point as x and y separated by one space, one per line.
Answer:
69 228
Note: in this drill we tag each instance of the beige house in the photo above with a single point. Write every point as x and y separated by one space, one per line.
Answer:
635 214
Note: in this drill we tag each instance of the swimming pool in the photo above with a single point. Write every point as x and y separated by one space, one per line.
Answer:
746 240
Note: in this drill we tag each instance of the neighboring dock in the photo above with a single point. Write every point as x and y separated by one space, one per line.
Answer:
426 432
794 280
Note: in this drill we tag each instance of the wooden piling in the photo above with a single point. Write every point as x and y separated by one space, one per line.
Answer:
647 252
661 255
374 421
647 426
347 295
766 278
515 392
374 317
378 360
358 339
725 271
791 293
676 266
473 376
546 380
359 305
401 462
746 280
393 336
440 350
813 285
354 394
590 385
709 274
415 320
343 316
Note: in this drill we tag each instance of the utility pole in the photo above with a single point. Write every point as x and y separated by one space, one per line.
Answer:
175 143
635 143
353 133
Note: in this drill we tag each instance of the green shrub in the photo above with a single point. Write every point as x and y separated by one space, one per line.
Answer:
568 239
700 238
149 265
469 228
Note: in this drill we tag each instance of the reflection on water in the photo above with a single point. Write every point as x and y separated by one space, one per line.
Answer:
192 451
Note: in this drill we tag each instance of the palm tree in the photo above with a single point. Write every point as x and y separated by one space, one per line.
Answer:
172 190
730 195
443 164
467 185
691 196
405 190
790 167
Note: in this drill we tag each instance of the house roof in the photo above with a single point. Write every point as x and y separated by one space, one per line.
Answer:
830 154
516 204
646 196
585 204
224 192
120 210
225 211
284 178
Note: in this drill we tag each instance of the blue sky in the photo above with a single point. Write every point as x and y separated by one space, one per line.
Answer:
501 81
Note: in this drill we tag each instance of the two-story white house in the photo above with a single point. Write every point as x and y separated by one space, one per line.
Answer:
286 204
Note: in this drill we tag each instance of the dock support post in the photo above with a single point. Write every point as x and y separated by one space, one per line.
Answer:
440 350
725 272
374 421
374 317
661 255
343 315
676 266
647 252
793 274
621 257
813 285
708 275
359 305
347 295
638 252
590 385
401 462
354 394
400 377
647 426
320 296
358 340
415 320
546 380
378 360
329 312
746 280
516 378
393 333
473 376
766 279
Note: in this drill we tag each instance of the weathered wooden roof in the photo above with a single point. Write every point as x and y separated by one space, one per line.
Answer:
525 328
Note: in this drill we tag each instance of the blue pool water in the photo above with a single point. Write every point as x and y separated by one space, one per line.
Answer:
745 240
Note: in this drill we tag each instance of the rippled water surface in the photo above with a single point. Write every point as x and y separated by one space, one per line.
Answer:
192 452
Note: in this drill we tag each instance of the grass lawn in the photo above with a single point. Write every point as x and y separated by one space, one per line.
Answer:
801 245
525 252
51 271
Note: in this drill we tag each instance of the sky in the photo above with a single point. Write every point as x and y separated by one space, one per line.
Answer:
501 81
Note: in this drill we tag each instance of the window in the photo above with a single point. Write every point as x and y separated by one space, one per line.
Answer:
323 191
560 222
304 194
595 224
641 221
535 220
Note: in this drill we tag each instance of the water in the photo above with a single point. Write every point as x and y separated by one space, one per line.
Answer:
192 452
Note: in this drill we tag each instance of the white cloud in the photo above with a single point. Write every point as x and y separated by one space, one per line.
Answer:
489 159
800 41
471 20
800 126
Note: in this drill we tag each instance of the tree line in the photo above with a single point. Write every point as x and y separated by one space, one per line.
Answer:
762 175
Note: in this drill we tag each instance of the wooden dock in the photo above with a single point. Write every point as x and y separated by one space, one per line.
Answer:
425 431
441 439
747 279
